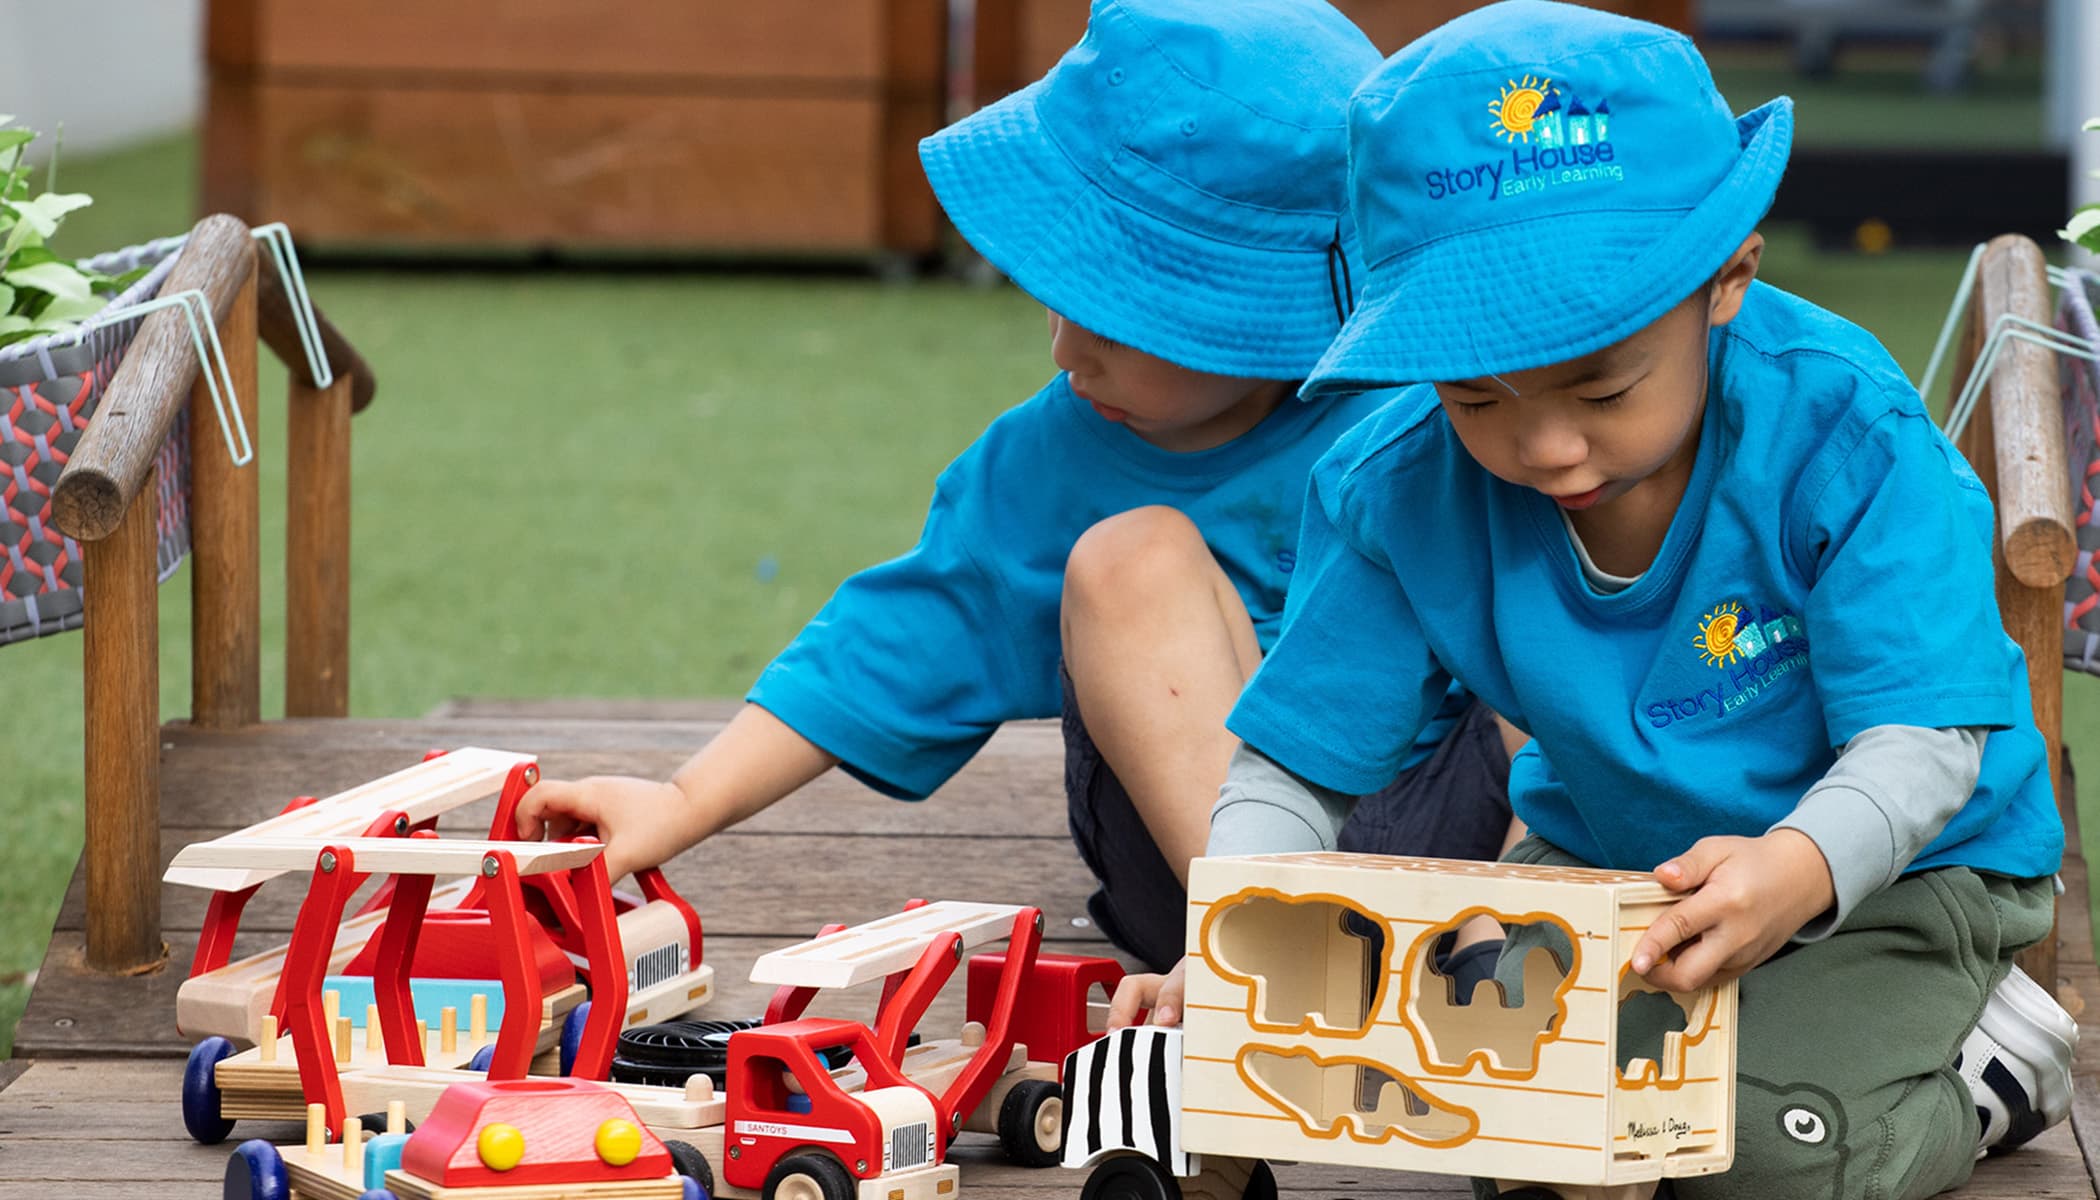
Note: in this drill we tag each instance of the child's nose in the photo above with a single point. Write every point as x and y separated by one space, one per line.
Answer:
1551 446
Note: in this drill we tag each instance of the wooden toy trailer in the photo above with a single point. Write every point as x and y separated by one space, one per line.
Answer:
1026 1011
660 935
315 1038
1318 1028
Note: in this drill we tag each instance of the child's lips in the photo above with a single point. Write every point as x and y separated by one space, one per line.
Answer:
1109 414
1581 500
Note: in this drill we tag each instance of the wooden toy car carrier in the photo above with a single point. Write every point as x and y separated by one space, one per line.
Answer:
1318 1028
1025 1011
659 941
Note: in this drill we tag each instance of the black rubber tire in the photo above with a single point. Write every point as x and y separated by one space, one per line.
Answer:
1261 1185
1018 1115
832 1179
687 1160
375 1124
1129 1177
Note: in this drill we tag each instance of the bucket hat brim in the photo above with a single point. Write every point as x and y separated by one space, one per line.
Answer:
1516 296
1121 272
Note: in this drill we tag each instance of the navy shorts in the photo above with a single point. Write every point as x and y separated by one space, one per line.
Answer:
1455 804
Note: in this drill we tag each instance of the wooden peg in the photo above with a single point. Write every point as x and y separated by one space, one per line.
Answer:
396 1116
374 1040
331 1006
448 1030
266 1040
699 1089
342 1039
316 1128
354 1151
478 1018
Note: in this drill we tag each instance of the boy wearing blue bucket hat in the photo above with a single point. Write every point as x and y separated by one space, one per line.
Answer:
1173 193
1702 541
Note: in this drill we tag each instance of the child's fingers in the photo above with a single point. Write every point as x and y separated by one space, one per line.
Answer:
549 802
1691 868
1135 994
1167 1009
1678 924
1692 967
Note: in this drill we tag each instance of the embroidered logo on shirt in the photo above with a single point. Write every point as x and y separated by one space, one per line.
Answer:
1751 654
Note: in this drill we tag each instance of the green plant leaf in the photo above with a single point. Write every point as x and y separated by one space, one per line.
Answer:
48 210
120 282
13 138
30 256
7 298
57 278
69 310
9 339
2084 228
23 237
12 324
2092 126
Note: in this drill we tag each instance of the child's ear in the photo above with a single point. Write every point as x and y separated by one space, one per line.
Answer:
1725 299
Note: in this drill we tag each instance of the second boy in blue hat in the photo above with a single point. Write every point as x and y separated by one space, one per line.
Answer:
1702 541
1173 193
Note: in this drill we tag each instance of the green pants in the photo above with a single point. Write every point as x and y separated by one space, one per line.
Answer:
1845 1078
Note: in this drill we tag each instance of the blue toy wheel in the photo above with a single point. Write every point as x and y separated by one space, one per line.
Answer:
377 1194
200 1092
256 1172
572 1035
689 1189
482 1058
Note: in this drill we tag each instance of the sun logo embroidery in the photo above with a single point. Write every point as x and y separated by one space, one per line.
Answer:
1517 109
1718 641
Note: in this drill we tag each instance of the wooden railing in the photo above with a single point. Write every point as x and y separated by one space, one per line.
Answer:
2015 442
107 500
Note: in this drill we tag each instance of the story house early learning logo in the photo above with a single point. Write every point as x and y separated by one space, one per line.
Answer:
1751 652
1553 136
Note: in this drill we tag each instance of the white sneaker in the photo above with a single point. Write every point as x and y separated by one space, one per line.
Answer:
2017 1062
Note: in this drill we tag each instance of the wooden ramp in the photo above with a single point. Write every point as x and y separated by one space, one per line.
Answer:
90 1106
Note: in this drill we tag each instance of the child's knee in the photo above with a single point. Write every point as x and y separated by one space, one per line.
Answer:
1134 555
1802 1140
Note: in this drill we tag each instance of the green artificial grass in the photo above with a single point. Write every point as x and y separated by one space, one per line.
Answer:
1877 97
588 483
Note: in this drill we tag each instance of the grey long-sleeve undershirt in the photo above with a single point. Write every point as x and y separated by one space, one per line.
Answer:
1890 792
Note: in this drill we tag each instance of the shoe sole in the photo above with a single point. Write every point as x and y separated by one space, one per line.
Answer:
2038 1030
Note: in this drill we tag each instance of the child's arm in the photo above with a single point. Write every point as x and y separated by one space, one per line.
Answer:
756 760
1890 792
1887 796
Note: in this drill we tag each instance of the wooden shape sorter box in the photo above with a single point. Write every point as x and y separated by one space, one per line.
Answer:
1320 1029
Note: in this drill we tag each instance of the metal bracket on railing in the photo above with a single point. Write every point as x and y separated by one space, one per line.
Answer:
2007 327
278 237
204 336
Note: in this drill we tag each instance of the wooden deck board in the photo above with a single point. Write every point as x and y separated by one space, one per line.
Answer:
86 1039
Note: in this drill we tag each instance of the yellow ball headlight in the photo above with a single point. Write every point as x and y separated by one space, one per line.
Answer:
501 1146
618 1142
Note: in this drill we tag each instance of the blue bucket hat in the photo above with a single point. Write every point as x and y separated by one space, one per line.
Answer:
1536 181
1177 181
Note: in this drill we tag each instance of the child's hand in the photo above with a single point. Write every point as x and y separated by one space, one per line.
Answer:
639 820
1748 896
1160 993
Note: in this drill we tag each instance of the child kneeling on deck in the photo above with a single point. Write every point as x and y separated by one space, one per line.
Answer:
1701 540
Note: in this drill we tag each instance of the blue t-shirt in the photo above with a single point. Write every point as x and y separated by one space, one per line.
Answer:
914 663
1828 570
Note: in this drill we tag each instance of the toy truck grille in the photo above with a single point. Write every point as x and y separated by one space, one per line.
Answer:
656 966
910 1146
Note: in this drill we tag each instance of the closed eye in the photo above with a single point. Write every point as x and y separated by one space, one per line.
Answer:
1606 401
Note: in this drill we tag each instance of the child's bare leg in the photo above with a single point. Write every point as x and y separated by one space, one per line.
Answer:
1158 644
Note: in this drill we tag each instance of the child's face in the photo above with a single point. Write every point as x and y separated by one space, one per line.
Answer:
1591 430
1168 405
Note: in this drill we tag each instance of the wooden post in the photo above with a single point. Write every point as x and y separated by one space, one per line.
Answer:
226 569
317 550
121 669
2014 441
